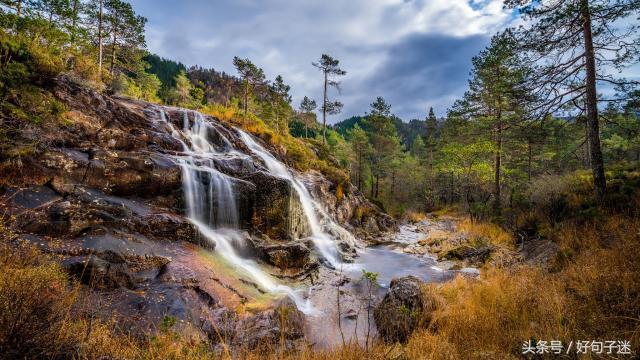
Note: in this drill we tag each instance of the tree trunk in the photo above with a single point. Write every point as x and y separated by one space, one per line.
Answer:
324 110
19 7
529 159
451 189
360 170
393 184
498 158
246 97
74 21
597 162
377 185
113 51
372 183
100 41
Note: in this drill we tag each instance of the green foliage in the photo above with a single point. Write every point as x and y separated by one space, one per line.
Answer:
184 94
166 71
371 277
167 323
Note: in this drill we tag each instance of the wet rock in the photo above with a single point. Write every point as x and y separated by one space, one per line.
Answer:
221 328
98 273
267 328
236 165
117 139
113 172
30 198
401 309
277 211
349 206
347 251
158 306
465 252
290 255
171 227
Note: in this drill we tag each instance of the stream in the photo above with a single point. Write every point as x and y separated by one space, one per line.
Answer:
389 262
210 197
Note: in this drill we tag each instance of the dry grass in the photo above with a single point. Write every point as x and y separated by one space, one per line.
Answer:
298 152
415 216
483 231
595 296
492 317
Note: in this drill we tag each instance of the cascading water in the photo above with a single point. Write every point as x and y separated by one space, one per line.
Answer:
322 241
211 203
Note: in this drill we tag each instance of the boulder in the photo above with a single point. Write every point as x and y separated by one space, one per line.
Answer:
277 211
471 254
113 172
294 254
98 273
170 227
401 310
268 328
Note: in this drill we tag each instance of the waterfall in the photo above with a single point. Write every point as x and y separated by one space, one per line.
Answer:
211 203
322 241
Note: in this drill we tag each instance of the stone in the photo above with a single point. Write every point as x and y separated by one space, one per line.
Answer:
277 211
465 252
293 254
268 328
401 310
98 273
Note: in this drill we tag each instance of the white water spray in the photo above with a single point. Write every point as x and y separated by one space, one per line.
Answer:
211 204
322 241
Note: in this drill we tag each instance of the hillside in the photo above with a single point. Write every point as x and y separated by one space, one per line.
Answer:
200 205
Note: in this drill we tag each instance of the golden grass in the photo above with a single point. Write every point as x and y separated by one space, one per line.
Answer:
492 317
415 216
298 152
594 296
483 231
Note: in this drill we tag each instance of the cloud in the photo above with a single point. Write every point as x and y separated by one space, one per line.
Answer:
421 71
415 52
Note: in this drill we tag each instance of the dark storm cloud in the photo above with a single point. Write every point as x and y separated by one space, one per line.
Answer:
414 53
422 71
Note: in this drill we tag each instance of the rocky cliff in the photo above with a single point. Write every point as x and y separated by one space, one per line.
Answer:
104 193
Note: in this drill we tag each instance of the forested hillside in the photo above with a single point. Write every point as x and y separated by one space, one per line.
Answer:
531 179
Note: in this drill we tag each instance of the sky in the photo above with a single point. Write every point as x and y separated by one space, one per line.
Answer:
415 53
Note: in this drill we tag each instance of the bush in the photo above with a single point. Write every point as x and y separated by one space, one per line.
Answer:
35 301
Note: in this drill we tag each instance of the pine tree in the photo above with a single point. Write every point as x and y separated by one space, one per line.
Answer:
361 148
577 41
251 76
307 106
329 67
126 30
430 143
384 141
496 98
281 101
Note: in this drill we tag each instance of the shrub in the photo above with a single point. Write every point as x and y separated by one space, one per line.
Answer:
34 303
